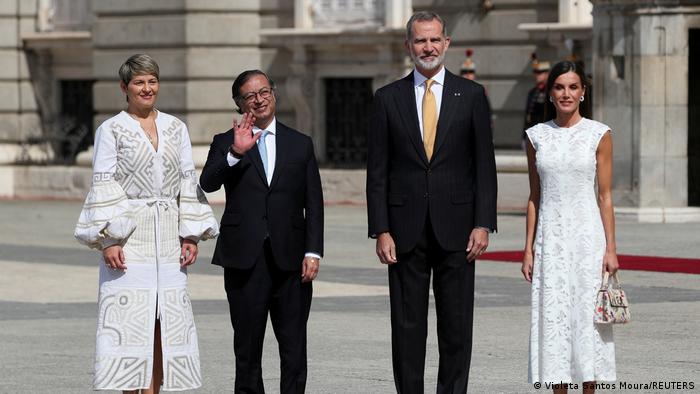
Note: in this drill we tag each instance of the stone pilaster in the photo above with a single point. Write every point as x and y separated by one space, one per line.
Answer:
18 108
641 76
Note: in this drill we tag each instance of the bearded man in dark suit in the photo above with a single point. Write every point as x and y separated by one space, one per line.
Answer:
431 201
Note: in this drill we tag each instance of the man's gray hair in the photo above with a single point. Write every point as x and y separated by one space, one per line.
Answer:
423 16
139 64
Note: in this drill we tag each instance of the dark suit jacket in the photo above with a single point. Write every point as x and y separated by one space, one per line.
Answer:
289 210
457 188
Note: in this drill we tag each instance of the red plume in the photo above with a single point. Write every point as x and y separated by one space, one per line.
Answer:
470 52
533 56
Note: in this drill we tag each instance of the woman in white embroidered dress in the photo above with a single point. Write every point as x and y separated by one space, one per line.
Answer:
146 213
570 239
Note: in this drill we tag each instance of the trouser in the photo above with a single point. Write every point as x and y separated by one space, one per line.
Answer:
252 294
453 287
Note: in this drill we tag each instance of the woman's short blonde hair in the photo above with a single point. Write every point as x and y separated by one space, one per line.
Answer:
139 64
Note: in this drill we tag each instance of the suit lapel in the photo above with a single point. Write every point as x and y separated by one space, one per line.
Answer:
448 107
407 108
281 144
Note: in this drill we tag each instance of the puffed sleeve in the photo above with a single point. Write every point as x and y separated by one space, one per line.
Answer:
197 220
106 218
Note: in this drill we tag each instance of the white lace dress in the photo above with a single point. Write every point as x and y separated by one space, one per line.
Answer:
146 201
565 345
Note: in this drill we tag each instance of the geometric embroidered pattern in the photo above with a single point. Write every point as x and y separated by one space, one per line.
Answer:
121 373
181 372
177 323
144 200
171 158
124 317
135 171
99 177
123 323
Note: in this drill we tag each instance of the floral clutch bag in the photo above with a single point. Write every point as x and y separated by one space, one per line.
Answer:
612 305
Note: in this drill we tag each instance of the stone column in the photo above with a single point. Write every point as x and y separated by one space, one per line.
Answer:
640 51
302 14
18 108
299 89
575 11
397 13
19 119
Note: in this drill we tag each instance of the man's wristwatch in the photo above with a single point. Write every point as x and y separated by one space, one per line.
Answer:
234 154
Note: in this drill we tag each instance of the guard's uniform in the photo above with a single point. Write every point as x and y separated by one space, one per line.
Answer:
536 103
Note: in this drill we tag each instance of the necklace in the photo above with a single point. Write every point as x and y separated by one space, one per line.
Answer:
150 136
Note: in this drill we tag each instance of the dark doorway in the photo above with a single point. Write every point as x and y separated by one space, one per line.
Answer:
348 102
73 128
693 117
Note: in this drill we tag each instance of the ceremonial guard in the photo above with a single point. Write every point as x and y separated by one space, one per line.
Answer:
537 96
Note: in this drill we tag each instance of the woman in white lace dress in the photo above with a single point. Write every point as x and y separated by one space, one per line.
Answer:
146 213
570 239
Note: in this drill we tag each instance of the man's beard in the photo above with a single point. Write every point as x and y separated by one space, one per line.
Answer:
428 65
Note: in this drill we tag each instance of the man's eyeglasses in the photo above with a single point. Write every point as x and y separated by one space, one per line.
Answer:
264 93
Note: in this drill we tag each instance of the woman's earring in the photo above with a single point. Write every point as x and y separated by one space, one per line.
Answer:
581 99
550 99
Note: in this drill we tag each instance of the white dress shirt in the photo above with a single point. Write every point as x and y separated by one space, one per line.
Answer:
271 148
419 86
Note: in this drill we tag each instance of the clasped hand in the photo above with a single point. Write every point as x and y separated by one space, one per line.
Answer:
114 255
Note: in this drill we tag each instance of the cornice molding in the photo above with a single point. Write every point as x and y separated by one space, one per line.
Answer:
647 6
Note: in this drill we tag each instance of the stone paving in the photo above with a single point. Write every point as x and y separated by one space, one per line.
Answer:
48 290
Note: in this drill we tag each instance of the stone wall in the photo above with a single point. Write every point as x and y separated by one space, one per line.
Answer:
18 108
200 46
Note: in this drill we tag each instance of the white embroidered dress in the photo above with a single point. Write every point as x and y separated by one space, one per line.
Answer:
565 345
144 200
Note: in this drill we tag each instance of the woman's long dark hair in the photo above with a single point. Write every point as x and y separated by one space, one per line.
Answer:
563 68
